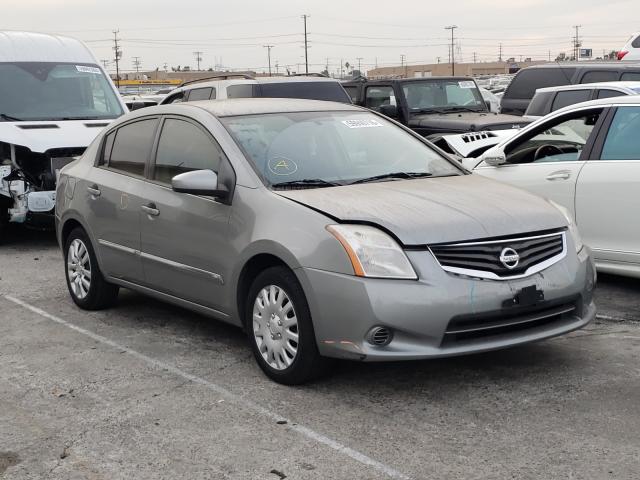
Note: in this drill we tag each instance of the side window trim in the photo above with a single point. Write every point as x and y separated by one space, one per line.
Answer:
115 131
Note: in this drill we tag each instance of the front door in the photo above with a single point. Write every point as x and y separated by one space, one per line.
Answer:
608 191
184 246
548 160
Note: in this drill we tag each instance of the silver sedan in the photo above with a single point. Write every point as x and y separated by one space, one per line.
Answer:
323 229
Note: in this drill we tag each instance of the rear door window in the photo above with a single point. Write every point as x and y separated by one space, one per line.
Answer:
539 105
630 76
331 91
622 138
570 97
606 93
201 94
244 90
132 146
527 81
600 76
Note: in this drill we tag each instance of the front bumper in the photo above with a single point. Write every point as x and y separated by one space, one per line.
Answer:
420 313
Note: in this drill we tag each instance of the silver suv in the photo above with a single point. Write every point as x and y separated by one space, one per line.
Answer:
323 229
223 87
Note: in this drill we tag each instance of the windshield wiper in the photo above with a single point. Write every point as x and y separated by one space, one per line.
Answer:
9 118
428 110
306 182
466 109
393 175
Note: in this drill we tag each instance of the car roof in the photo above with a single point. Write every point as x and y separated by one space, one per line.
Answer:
582 86
16 46
294 79
586 65
244 81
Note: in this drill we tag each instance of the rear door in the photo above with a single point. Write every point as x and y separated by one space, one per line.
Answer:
608 190
113 191
548 160
184 245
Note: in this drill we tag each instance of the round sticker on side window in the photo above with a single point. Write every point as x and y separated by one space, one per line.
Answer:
282 166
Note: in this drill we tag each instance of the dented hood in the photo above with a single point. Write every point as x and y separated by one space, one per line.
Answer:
436 210
45 135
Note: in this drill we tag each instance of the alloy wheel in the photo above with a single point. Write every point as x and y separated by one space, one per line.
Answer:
79 268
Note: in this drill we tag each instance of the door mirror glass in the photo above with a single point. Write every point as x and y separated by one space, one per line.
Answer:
199 182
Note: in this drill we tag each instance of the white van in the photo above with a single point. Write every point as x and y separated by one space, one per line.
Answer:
54 100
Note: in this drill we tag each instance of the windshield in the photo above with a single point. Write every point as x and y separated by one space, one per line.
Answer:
443 95
329 91
328 148
56 91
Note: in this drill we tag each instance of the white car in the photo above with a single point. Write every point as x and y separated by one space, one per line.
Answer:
586 158
631 50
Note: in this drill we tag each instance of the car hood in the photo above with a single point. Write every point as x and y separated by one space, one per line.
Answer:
435 210
42 136
466 121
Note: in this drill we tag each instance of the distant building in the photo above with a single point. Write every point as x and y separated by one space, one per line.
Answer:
444 69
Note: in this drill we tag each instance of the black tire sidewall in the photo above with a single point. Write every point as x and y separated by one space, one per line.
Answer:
304 366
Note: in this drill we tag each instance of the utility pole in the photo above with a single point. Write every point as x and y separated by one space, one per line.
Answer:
117 55
341 68
402 57
105 63
359 60
500 55
198 56
136 64
306 57
453 58
577 43
269 47
474 57
277 67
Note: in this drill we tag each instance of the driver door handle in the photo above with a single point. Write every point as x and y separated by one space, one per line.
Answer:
562 175
150 209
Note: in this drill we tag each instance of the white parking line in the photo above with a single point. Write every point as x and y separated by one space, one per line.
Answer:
247 404
610 318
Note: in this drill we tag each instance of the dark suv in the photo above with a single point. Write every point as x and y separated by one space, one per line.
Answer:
431 106
518 95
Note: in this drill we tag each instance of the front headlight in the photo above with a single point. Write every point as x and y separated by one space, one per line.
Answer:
372 252
573 228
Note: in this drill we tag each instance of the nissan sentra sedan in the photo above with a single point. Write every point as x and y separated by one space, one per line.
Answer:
322 229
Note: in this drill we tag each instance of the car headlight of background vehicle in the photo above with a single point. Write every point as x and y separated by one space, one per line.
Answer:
573 228
372 252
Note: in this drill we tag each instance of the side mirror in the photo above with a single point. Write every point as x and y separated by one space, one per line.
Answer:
494 158
200 182
389 110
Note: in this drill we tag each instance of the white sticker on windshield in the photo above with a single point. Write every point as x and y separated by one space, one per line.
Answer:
85 69
368 123
467 84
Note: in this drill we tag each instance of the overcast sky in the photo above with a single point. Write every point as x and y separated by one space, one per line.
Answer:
233 33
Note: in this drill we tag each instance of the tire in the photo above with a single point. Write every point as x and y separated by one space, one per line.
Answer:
277 299
91 291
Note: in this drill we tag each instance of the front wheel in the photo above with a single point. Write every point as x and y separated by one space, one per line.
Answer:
88 288
280 328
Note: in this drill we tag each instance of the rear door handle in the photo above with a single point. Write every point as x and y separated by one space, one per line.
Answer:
564 175
94 190
150 209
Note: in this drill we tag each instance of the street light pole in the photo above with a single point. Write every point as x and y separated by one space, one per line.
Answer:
453 60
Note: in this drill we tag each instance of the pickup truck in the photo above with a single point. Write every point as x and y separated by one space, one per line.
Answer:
432 106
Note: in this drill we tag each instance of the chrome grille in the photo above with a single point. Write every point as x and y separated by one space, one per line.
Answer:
496 259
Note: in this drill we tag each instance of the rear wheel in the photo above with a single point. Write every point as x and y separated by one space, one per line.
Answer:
280 329
88 288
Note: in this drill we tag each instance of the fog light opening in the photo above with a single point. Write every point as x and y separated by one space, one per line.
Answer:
380 336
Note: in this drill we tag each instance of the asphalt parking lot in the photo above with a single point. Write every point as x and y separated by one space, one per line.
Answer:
150 391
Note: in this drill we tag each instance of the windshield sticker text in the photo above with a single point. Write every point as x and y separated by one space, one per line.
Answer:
85 69
467 84
370 123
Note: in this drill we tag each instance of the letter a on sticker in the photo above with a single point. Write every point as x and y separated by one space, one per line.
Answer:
282 164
